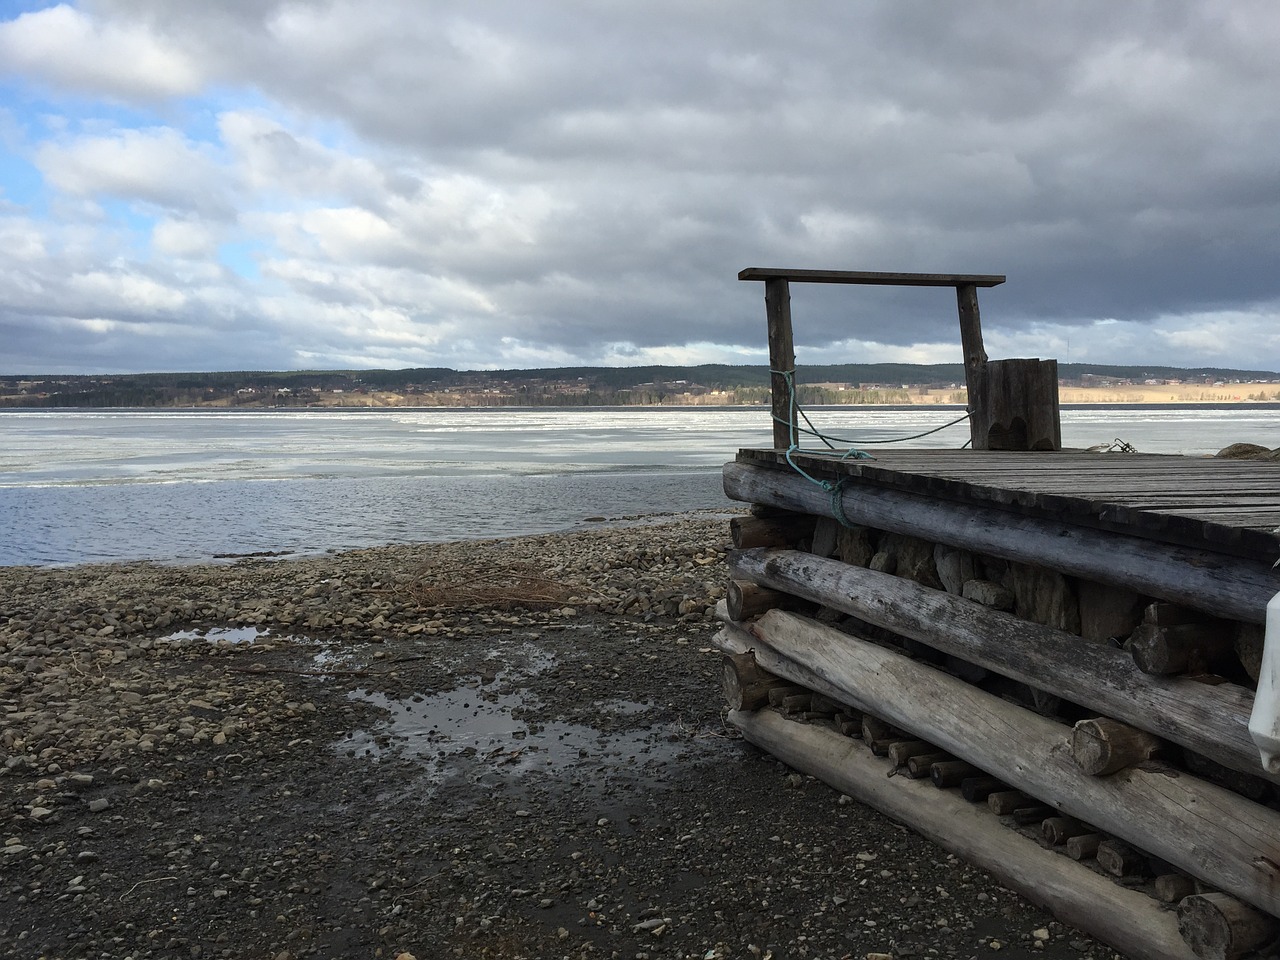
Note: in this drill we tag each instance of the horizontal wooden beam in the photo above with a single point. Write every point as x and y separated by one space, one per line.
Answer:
1201 828
1211 720
1128 920
1220 585
876 278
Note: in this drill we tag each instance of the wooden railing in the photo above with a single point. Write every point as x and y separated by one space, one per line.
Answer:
1013 404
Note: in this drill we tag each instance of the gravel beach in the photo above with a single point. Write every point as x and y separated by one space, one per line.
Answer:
505 748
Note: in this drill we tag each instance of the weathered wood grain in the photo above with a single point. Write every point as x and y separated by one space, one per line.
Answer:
1128 920
1235 843
1211 720
1220 584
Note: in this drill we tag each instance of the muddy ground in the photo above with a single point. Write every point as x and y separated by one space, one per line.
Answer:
329 757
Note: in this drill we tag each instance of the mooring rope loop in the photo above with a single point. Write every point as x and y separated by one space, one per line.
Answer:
834 490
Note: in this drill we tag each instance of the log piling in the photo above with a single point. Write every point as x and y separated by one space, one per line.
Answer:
1071 639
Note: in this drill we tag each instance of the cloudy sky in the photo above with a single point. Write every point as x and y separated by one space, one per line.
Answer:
253 184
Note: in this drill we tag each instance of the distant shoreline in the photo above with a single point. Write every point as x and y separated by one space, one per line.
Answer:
1162 395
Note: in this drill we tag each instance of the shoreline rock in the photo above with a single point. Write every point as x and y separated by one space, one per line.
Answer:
251 760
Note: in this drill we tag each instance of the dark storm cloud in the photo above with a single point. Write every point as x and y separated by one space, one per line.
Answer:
577 181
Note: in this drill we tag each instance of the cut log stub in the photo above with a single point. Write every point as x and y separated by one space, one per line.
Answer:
779 694
903 750
1084 846
786 531
1058 830
1004 802
1173 887
1181 648
977 789
1101 746
951 773
1121 860
875 730
919 767
746 686
746 599
797 702
1035 813
1218 927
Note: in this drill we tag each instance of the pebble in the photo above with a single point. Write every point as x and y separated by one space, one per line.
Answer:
140 709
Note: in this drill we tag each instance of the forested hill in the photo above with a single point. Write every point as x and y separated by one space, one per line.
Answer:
861 383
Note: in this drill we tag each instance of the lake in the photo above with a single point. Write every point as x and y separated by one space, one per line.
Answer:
190 485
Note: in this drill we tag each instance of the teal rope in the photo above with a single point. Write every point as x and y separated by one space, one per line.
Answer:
834 490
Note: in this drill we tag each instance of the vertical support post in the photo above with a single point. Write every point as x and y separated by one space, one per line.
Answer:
782 357
975 360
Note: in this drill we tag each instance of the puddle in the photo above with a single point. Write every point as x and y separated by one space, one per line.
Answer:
217 634
469 725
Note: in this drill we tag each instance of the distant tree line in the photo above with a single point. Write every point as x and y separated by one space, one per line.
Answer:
563 386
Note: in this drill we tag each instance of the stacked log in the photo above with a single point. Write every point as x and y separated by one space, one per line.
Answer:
1159 785
1086 771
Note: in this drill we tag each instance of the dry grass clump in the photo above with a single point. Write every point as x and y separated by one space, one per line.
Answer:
504 587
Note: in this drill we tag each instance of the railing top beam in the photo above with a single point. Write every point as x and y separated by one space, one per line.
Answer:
883 279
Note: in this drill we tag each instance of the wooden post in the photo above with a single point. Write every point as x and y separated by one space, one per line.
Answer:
1018 407
975 357
782 359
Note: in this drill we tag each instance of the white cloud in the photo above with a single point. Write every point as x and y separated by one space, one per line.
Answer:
485 184
185 239
158 166
66 47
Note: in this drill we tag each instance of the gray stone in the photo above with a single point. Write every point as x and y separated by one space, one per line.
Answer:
883 562
1244 451
1250 639
99 804
854 546
1044 596
913 559
1108 611
988 594
955 567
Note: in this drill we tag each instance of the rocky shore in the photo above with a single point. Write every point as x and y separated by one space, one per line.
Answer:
508 748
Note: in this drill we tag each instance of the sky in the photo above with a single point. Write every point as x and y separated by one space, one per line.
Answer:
264 185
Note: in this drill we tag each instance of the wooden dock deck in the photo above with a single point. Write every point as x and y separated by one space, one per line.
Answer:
1016 611
1228 506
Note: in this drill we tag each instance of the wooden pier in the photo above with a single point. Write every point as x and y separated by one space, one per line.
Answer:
1062 644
